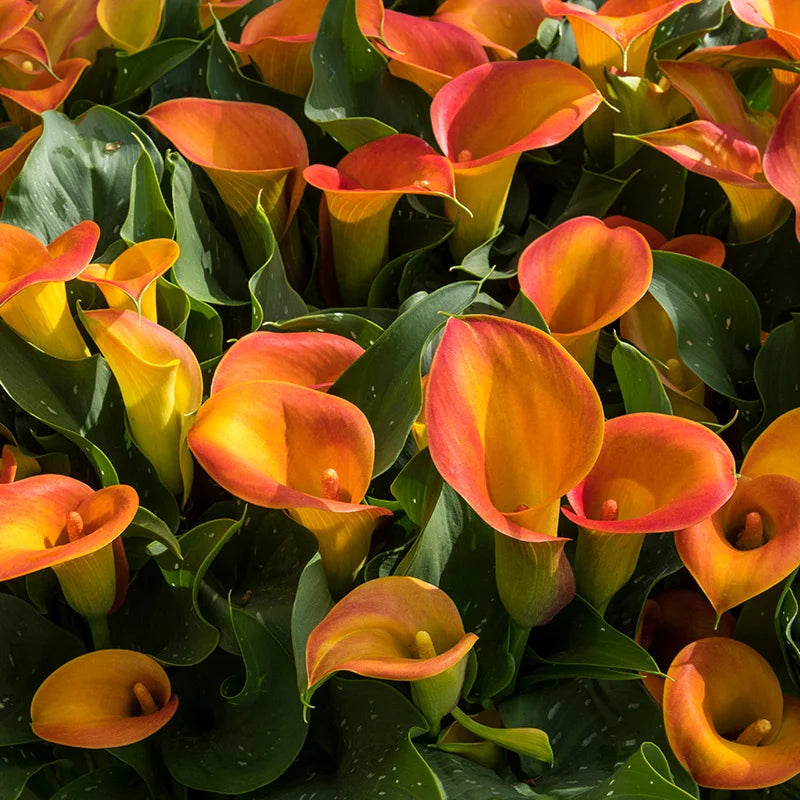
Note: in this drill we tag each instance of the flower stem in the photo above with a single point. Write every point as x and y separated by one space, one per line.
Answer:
101 635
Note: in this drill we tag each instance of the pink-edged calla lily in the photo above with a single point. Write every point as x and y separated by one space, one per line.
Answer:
27 95
13 158
161 385
280 445
753 541
395 628
649 327
59 522
726 718
493 385
726 143
582 276
109 698
309 358
133 25
33 299
486 117
654 473
129 281
427 52
782 156
672 619
210 132
361 193
502 26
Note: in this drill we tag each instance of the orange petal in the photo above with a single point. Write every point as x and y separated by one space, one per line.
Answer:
25 43
13 158
697 245
132 26
210 132
276 454
65 24
583 275
161 386
717 688
654 238
777 449
778 17
479 413
504 26
90 701
782 156
660 470
129 281
372 632
729 575
33 532
13 16
313 359
45 92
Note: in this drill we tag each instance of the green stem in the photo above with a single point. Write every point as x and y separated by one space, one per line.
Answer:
101 635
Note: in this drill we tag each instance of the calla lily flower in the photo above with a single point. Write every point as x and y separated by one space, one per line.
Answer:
69 28
13 158
395 628
16 38
108 698
161 386
502 27
59 522
753 541
130 280
671 620
132 26
726 143
33 300
309 358
653 472
210 132
583 275
480 411
782 156
15 465
726 718
486 117
360 195
297 449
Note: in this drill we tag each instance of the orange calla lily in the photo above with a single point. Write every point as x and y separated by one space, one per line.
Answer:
503 27
298 449
33 300
13 158
726 718
726 143
210 132
782 156
486 117
59 522
130 280
583 275
395 628
360 195
109 698
672 619
478 411
69 28
132 26
653 472
753 541
161 386
309 358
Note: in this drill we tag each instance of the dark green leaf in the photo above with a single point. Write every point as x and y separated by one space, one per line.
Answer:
354 327
146 525
594 195
148 215
136 72
117 781
639 383
686 26
19 765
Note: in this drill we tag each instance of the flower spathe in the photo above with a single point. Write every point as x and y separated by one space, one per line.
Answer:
59 522
395 628
583 275
108 698
782 156
495 384
726 718
280 445
486 117
161 385
133 25
33 300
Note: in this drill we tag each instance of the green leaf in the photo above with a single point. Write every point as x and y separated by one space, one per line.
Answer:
32 648
81 400
593 725
531 742
415 487
594 195
233 737
203 331
385 382
342 323
19 765
146 525
685 27
639 383
117 781
644 776
78 170
148 214
478 263
354 97
208 268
